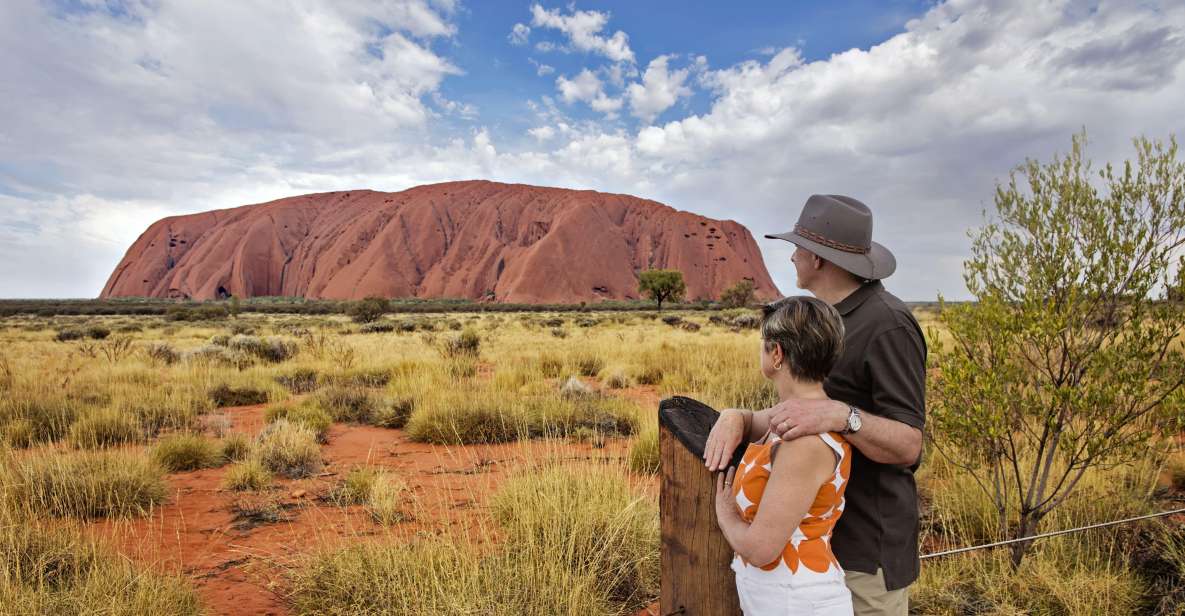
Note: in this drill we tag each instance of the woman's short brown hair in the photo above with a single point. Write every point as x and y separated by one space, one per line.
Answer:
810 332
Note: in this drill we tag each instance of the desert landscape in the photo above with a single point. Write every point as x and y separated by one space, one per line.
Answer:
437 463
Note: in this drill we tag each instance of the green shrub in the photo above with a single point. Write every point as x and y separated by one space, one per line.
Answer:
187 452
377 327
105 428
86 484
288 449
247 475
66 335
368 310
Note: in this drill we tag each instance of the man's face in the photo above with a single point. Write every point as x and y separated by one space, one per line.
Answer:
804 267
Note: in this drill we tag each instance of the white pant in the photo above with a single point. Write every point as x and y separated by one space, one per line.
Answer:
817 597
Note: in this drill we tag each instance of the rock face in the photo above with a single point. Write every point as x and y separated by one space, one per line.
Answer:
475 239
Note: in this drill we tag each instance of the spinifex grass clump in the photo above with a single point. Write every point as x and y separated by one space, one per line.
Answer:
31 417
588 521
288 449
54 569
85 484
104 428
247 475
644 452
305 413
187 452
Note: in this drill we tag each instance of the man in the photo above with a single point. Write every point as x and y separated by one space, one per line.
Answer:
878 401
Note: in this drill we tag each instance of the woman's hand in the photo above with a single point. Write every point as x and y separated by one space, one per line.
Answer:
726 507
726 434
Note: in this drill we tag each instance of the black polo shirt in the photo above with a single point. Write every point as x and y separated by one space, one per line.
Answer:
883 372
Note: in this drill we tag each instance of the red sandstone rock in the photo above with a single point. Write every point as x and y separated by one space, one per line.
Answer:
473 239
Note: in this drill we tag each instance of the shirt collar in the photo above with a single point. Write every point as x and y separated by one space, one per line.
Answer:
857 297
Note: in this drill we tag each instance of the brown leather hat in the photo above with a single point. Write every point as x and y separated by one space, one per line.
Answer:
839 229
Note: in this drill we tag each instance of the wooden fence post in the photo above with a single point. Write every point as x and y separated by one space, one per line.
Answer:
696 577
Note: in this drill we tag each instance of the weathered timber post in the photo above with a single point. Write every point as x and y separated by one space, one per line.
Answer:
696 577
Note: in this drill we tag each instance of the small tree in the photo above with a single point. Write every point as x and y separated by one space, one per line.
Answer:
1066 360
235 307
739 295
368 310
662 285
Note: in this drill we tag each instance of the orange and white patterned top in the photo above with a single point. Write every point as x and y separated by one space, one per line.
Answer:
809 551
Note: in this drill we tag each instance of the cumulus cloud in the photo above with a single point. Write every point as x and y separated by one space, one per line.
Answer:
920 126
583 31
659 90
540 68
519 34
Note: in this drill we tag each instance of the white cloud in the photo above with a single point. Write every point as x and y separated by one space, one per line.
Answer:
541 69
122 116
519 34
542 133
659 90
583 30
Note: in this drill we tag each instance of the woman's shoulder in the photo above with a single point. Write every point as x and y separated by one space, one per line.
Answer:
807 452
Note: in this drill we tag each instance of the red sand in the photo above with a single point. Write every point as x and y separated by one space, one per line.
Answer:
242 571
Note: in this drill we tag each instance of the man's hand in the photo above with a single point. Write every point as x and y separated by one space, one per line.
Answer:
726 434
797 417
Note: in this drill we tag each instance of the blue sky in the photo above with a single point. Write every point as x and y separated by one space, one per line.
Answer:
116 113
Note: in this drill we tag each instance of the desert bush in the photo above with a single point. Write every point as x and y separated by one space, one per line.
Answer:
241 328
644 453
236 447
165 414
465 344
288 449
67 335
347 403
368 309
105 428
365 377
299 381
377 327
551 365
587 364
272 350
308 415
187 452
616 379
648 375
225 395
247 475
459 419
393 412
86 484
672 319
738 295
162 353
559 332
215 355
220 339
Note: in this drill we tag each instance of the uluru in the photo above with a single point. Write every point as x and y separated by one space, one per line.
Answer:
475 239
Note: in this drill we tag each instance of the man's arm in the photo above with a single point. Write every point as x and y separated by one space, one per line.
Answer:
891 435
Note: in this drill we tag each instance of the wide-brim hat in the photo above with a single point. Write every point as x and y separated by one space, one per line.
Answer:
839 229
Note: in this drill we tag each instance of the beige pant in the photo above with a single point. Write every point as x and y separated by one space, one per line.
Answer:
869 597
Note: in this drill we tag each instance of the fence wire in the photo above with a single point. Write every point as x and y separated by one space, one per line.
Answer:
1051 534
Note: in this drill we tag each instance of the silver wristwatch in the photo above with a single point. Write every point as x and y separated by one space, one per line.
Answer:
853 420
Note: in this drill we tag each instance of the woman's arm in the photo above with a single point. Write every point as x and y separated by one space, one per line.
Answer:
801 466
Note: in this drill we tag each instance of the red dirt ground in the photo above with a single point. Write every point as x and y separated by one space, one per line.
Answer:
241 570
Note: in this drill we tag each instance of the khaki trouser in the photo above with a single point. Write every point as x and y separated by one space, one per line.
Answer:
869 597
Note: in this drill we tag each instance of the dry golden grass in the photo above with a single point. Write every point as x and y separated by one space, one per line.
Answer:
587 546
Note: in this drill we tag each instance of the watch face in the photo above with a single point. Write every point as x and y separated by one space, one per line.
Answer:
854 422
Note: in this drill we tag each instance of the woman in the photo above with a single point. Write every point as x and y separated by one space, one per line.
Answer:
778 508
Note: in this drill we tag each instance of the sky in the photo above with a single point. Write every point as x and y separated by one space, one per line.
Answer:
116 113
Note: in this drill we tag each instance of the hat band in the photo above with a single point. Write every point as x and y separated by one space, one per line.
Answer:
830 243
